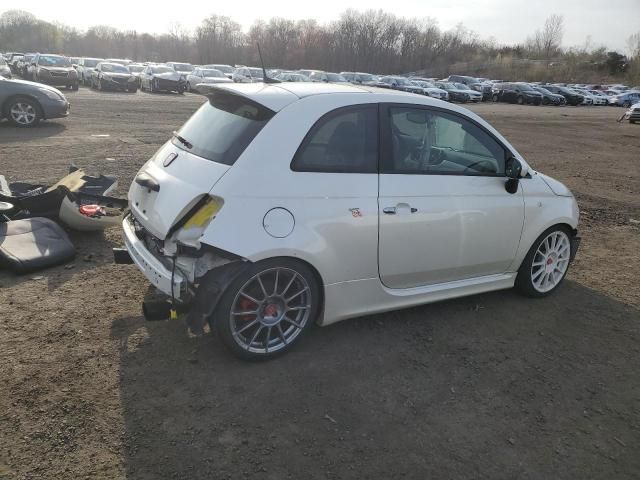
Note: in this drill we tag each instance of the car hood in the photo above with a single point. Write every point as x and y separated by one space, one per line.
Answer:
434 90
217 79
117 74
56 69
556 187
175 76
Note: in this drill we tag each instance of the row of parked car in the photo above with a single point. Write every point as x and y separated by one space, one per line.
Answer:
126 75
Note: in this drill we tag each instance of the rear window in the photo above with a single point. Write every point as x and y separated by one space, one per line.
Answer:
223 127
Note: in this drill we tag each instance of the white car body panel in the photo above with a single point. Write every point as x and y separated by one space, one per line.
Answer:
477 244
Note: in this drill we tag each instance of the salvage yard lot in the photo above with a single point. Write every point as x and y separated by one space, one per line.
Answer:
490 386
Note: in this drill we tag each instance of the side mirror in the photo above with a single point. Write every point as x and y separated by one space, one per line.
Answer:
513 170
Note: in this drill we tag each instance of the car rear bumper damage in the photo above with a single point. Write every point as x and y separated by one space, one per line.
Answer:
196 297
168 281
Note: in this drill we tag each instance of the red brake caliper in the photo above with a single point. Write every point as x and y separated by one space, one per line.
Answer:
246 304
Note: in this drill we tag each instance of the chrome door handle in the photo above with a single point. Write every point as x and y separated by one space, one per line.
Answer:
389 210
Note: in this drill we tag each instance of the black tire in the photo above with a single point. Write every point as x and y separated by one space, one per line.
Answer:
34 106
626 104
524 283
75 86
495 98
132 90
189 87
151 86
520 100
545 101
222 321
100 87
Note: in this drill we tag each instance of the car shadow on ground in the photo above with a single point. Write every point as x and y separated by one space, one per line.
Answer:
46 128
491 386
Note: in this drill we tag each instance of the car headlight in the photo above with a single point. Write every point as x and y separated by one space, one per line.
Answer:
51 94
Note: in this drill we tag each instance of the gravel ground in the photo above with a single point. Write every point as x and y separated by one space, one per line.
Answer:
492 386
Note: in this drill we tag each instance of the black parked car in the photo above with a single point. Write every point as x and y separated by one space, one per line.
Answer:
519 93
400 83
473 83
156 78
572 97
113 76
550 98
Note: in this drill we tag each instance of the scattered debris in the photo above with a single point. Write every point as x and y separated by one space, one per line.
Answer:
620 441
328 417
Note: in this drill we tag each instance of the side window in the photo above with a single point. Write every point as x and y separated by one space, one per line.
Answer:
345 140
426 141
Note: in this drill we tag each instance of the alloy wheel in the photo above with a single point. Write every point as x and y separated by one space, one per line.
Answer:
270 310
550 262
23 113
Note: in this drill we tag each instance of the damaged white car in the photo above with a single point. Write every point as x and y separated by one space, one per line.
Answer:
277 206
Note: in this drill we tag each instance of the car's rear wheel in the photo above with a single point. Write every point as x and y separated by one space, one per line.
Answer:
520 100
546 264
495 98
100 87
23 112
267 309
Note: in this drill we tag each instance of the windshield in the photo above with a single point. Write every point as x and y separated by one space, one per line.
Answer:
223 68
114 67
136 68
255 72
525 88
335 77
543 90
212 73
365 77
461 86
182 67
53 61
91 62
446 85
223 127
161 69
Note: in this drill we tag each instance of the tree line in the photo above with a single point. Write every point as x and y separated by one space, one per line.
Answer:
373 41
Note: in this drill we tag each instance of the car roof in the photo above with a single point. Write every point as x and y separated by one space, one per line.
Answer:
276 96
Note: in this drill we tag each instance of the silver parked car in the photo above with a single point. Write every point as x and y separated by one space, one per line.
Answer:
25 103
205 75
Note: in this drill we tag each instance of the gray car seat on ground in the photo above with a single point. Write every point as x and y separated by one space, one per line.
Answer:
33 243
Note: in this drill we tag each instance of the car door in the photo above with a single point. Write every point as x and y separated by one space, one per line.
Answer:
444 212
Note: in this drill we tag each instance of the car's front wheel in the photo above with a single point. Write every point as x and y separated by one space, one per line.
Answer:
267 309
546 264
23 112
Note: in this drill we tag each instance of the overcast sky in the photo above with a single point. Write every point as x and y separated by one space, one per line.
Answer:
607 22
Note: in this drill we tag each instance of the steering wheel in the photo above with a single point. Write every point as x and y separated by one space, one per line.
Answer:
480 162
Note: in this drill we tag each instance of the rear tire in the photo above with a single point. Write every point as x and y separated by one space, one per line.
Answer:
281 298
520 100
547 263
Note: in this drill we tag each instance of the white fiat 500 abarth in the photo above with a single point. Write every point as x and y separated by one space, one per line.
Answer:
279 205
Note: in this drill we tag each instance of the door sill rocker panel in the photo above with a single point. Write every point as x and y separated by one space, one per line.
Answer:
368 296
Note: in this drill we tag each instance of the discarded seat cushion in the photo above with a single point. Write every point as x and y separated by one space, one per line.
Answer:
33 243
